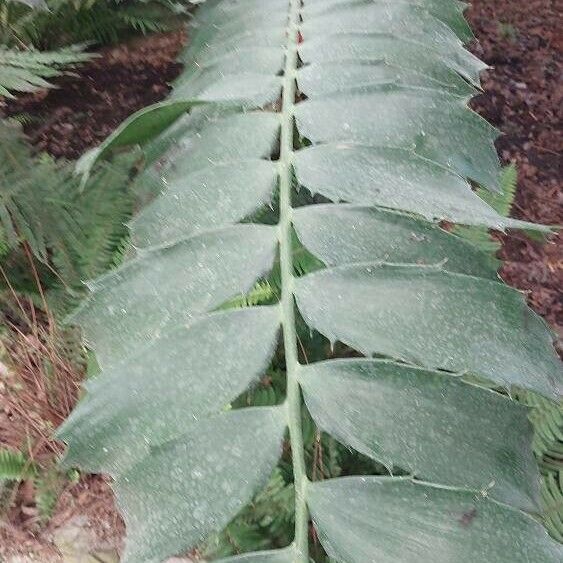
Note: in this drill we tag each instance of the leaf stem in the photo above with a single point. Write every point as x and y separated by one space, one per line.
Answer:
293 400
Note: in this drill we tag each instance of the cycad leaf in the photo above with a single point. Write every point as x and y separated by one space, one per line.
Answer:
221 194
402 57
451 13
199 139
402 20
138 128
436 126
215 170
380 519
395 178
335 76
344 234
373 117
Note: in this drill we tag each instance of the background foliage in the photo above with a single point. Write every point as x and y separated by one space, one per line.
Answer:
63 22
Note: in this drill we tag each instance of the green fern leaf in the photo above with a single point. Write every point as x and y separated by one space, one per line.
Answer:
269 515
28 71
373 128
74 233
552 496
48 485
260 294
500 202
15 466
547 419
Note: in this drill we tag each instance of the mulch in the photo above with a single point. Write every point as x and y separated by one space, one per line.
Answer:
522 96
87 106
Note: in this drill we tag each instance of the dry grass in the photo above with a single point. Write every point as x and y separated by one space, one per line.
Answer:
41 368
39 388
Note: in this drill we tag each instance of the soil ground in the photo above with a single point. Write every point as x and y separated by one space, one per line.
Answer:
85 108
522 96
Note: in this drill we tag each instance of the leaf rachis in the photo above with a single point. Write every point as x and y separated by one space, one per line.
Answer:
293 400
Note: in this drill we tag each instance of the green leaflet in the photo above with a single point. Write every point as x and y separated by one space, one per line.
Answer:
436 126
450 13
168 286
244 340
205 137
402 57
136 129
450 525
223 193
384 133
394 178
425 316
384 409
336 76
403 20
211 79
207 160
344 234
201 139
210 473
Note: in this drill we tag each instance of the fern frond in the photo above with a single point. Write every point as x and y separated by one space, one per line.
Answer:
145 18
547 419
261 293
78 21
22 119
501 201
121 252
15 466
552 497
48 484
27 71
269 515
268 291
75 233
